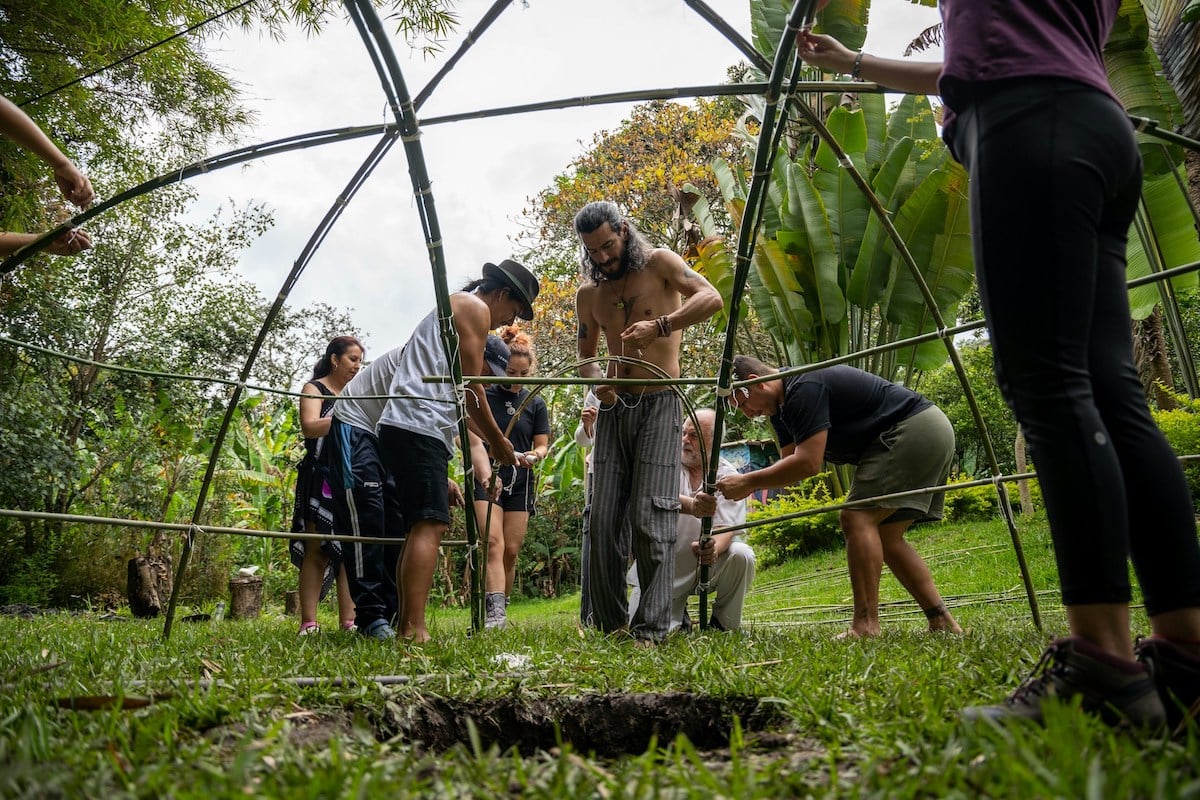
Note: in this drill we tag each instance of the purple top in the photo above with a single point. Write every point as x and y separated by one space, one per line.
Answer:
990 40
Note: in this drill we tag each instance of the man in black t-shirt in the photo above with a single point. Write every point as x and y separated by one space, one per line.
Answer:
898 440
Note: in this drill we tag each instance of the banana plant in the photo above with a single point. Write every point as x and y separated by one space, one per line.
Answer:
827 280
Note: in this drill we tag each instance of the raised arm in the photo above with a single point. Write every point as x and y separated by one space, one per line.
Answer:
69 243
700 298
913 77
17 125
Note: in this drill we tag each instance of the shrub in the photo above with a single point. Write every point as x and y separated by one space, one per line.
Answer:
793 538
1181 426
973 503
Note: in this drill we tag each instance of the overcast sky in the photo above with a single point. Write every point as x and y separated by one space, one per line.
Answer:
483 171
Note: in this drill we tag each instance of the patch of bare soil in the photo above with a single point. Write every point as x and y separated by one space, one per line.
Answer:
608 725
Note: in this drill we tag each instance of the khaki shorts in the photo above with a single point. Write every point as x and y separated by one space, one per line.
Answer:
913 454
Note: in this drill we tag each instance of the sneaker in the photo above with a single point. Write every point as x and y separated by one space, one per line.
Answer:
495 615
1069 669
379 629
309 629
1176 673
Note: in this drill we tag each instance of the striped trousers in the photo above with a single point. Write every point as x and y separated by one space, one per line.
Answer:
635 507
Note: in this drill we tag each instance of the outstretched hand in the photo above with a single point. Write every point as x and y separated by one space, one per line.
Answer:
735 487
74 185
70 243
824 51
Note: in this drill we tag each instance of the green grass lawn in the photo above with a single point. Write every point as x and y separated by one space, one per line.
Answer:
231 716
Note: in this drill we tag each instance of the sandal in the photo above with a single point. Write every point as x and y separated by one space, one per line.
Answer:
309 628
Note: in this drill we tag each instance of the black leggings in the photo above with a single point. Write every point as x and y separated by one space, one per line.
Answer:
1055 179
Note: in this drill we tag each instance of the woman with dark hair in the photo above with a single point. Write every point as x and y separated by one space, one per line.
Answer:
530 437
313 512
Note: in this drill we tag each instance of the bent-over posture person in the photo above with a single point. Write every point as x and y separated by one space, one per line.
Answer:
899 441
418 427
1052 155
730 560
641 298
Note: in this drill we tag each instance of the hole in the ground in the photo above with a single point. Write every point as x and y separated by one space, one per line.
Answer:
608 725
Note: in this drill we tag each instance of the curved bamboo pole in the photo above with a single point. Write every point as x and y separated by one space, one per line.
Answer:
802 11
795 23
410 133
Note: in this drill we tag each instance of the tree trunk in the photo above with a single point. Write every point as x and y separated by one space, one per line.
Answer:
291 602
1023 493
1152 359
148 585
245 597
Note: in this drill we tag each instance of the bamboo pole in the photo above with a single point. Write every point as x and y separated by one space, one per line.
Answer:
785 49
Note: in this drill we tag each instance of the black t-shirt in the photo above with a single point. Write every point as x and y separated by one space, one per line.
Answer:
853 405
534 420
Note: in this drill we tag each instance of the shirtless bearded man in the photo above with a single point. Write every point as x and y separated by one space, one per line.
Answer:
640 297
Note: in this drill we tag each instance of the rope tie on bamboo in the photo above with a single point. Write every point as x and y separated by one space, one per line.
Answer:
844 159
724 391
433 245
412 137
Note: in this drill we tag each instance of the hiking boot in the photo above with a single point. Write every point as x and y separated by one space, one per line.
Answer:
1176 673
494 610
1074 667
379 629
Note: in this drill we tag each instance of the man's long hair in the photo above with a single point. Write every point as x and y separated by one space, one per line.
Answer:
634 253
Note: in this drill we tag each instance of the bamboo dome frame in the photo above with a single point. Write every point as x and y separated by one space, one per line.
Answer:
406 128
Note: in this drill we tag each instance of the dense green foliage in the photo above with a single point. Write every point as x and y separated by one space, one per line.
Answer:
159 293
1181 425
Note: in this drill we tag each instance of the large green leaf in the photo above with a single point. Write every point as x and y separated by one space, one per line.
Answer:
1137 79
848 207
817 267
1174 228
913 118
949 272
875 118
893 183
919 221
776 270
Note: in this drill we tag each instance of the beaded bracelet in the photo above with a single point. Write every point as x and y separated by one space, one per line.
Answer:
854 73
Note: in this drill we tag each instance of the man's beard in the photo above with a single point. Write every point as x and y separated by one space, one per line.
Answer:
623 266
